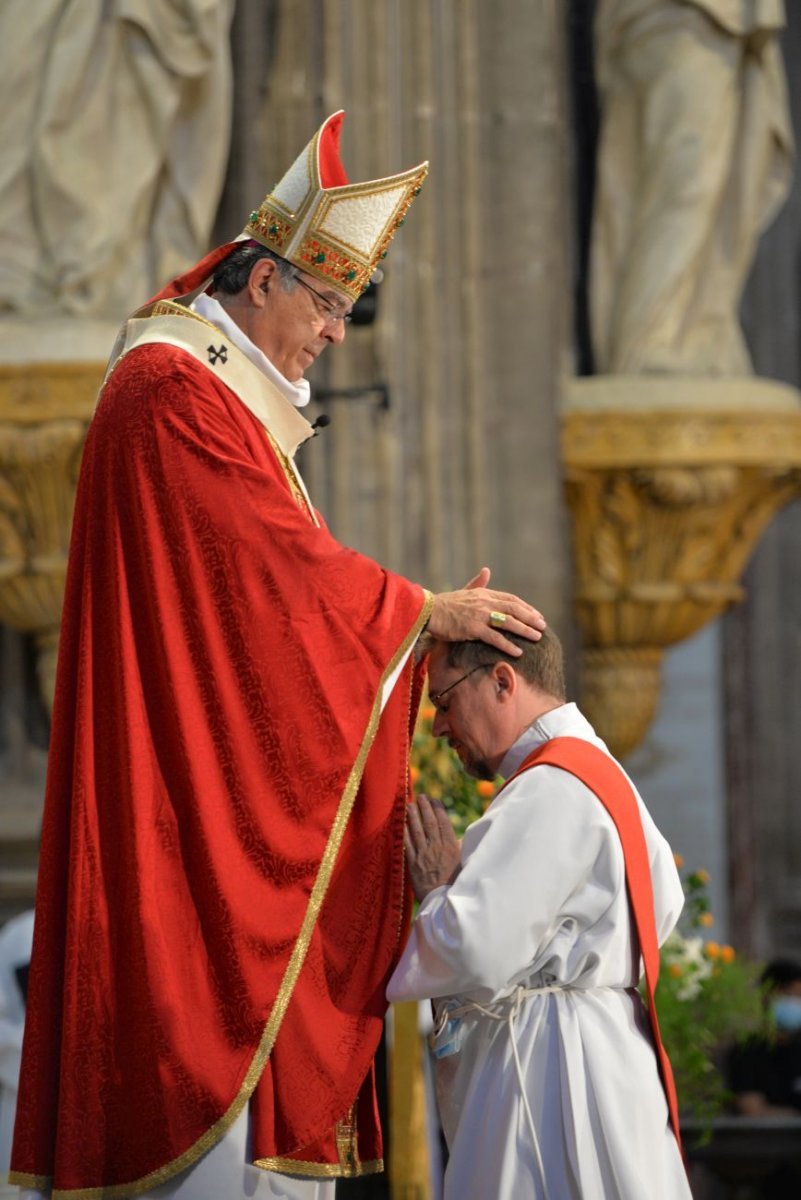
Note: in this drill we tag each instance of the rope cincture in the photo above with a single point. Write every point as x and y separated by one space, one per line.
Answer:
514 1004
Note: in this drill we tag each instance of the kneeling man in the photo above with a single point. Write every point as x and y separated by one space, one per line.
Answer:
551 1080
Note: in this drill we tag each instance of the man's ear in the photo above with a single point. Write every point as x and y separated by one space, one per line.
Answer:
505 681
260 279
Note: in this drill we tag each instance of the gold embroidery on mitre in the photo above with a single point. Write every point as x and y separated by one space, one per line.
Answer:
269 228
320 258
341 248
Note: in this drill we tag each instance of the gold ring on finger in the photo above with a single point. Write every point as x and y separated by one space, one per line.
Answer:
497 620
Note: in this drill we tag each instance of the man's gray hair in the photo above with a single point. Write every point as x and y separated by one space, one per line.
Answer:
541 664
233 272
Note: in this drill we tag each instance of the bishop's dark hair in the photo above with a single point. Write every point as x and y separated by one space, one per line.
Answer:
233 272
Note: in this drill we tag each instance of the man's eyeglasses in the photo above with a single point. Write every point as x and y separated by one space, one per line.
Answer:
435 697
323 305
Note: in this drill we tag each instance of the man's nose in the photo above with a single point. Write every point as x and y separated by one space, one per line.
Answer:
335 332
440 724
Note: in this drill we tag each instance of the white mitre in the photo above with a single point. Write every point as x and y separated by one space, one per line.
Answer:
336 230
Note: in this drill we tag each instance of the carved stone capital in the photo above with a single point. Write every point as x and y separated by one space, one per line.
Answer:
45 411
667 504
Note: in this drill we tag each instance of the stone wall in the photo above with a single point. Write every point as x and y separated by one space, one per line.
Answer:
442 455
761 659
461 467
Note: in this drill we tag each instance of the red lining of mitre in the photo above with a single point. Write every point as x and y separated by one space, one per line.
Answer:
332 173
194 276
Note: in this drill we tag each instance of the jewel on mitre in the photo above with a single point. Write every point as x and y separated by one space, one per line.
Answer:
333 229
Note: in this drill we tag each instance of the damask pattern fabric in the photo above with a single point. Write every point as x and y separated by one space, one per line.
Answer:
224 808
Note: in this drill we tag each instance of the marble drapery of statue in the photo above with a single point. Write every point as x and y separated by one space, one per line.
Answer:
115 130
694 161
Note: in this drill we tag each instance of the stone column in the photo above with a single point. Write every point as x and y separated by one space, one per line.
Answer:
761 659
462 468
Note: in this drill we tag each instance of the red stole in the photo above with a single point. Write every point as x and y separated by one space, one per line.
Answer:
603 776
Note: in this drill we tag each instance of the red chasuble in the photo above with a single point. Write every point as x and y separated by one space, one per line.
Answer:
221 889
603 776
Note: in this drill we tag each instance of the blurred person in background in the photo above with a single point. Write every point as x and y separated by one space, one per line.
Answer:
765 1072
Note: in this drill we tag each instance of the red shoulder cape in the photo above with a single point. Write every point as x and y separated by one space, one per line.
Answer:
221 895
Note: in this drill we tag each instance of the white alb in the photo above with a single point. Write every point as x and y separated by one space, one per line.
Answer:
560 1098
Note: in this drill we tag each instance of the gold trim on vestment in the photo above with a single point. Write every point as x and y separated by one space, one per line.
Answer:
38 1183
270 1033
288 467
171 308
294 1166
346 1134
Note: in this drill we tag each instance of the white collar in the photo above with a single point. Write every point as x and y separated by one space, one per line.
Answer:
298 393
564 721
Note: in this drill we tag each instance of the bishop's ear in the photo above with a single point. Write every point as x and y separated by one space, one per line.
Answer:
260 277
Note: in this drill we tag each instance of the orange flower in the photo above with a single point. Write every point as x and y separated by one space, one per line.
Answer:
485 789
702 875
727 954
428 712
712 950
414 774
675 970
678 860
706 919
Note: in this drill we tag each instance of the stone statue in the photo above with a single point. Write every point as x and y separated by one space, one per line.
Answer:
694 161
114 123
114 128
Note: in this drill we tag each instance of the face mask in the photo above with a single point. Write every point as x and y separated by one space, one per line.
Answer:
786 1012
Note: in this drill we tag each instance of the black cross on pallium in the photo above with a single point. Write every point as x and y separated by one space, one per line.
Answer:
222 354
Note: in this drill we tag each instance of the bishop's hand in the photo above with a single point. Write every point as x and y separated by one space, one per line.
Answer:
432 848
477 613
